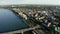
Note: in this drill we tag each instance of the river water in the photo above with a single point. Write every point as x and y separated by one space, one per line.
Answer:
9 21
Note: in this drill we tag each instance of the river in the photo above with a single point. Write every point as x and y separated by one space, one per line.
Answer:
9 21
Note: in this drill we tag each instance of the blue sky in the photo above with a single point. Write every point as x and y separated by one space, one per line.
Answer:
48 2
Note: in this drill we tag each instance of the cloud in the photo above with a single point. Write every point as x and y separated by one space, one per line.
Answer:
52 2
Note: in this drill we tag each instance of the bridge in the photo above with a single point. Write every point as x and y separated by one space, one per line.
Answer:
22 30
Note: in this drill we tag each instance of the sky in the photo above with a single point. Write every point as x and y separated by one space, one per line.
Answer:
46 2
